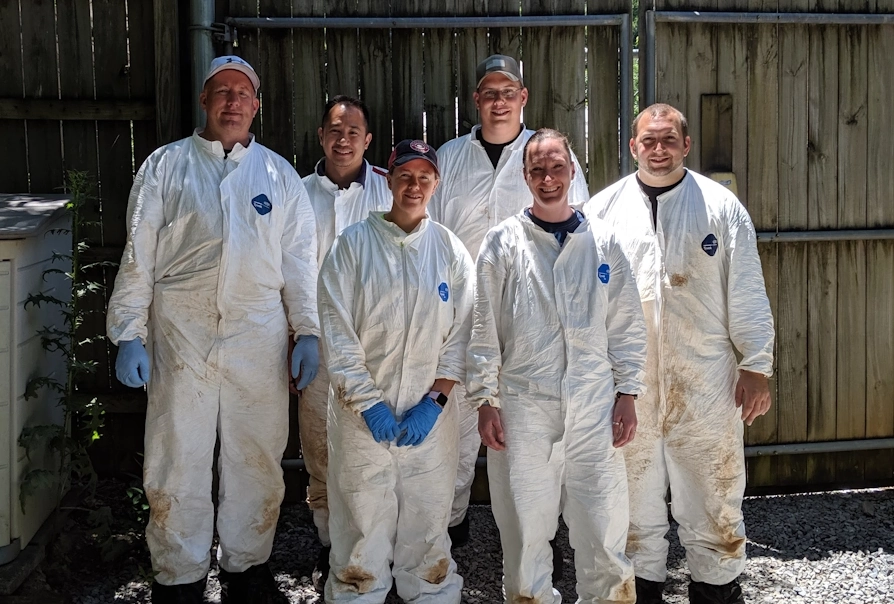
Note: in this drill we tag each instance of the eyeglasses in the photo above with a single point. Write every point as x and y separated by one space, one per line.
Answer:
492 95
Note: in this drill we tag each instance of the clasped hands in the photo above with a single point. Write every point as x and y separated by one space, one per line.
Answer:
412 429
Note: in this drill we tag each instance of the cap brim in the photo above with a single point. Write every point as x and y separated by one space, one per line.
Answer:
509 75
249 73
408 158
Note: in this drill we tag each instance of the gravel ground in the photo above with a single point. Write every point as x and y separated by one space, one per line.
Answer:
813 548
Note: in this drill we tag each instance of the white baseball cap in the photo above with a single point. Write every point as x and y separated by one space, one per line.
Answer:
232 62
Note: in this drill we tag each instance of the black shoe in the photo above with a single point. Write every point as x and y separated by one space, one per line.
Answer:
255 585
459 534
649 592
321 569
705 593
558 563
191 593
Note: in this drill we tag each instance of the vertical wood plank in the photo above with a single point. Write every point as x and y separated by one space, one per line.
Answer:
141 73
39 51
277 112
763 69
792 325
822 258
557 97
14 176
169 120
440 79
732 79
506 40
408 73
76 82
308 72
343 56
880 255
471 49
376 82
701 63
604 147
852 160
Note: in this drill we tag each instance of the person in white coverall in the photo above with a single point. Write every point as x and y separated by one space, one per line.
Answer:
693 250
343 188
556 359
481 186
395 297
221 247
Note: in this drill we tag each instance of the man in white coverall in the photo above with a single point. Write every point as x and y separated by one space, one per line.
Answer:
395 304
693 250
221 247
343 188
482 185
556 358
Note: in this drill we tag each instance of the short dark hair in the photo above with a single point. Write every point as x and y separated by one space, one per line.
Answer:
662 110
542 135
342 99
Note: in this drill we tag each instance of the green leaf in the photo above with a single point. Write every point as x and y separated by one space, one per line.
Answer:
33 385
33 437
40 298
35 482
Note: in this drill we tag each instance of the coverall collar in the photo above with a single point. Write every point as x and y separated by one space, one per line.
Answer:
531 227
320 171
396 234
216 149
516 144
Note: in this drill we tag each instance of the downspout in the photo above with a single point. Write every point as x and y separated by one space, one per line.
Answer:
201 16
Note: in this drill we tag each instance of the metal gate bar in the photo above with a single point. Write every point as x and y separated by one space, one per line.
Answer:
622 20
808 236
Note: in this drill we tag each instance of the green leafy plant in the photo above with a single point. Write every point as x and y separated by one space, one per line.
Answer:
82 416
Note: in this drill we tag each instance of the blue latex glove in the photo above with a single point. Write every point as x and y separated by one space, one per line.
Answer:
381 422
305 361
418 422
132 364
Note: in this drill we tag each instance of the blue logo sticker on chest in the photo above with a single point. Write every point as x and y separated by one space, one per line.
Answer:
262 204
709 245
604 272
444 292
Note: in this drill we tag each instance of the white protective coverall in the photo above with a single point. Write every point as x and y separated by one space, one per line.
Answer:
557 332
472 198
702 290
335 209
222 251
395 310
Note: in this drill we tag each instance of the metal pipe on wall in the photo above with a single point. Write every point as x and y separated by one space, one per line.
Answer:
201 16
423 22
752 18
626 94
810 236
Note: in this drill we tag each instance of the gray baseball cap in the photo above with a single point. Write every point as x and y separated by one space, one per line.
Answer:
498 64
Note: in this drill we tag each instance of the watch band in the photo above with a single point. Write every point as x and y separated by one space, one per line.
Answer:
620 394
438 397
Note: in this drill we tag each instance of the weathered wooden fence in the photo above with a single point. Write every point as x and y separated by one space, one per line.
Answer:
801 113
807 128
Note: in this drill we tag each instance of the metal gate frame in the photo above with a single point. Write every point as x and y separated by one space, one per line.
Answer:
622 20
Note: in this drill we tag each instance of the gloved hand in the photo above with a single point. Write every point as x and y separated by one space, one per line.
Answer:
132 364
418 422
305 360
381 422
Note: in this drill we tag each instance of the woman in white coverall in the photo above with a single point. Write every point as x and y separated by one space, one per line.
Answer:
395 296
555 361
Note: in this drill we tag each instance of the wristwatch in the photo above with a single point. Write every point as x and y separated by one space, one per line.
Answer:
620 394
438 397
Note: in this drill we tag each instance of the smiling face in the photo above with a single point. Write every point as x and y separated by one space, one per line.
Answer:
495 109
344 137
549 172
660 148
230 104
412 185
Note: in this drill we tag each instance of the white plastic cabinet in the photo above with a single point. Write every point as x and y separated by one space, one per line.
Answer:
27 243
